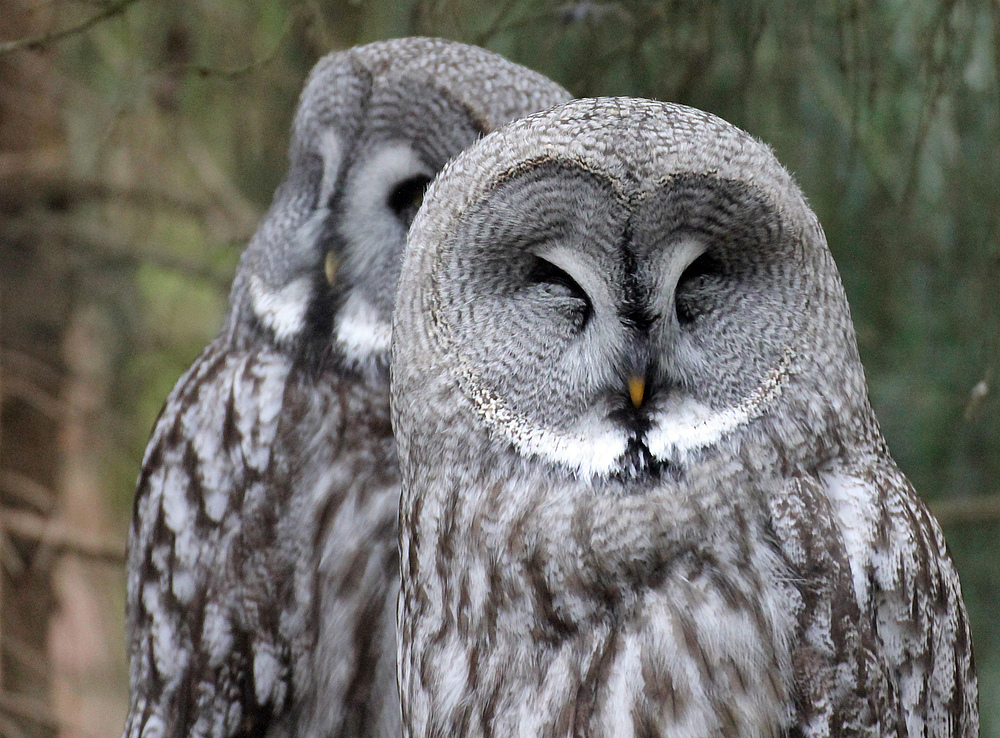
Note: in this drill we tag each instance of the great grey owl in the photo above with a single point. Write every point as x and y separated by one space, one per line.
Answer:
643 489
263 566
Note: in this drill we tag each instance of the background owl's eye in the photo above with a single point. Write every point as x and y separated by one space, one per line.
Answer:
690 293
407 197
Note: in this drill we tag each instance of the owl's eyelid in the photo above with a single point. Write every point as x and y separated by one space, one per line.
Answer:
548 272
680 255
705 264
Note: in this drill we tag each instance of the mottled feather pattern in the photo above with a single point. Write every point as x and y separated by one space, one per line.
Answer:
767 571
263 559
884 643
914 602
231 593
572 620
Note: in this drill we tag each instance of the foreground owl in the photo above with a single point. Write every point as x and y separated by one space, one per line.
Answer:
263 566
643 489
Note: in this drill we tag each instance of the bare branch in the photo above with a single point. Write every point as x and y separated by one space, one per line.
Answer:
35 711
27 656
29 708
25 363
27 490
966 510
61 538
253 65
36 397
65 190
35 42
160 257
496 24
216 182
10 559
10 728
98 246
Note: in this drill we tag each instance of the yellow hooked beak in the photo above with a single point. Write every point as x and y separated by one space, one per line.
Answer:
636 389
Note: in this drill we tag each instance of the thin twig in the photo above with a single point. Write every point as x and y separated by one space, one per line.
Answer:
35 397
27 656
28 708
97 247
216 182
873 146
61 538
10 728
499 20
251 66
38 712
67 191
158 257
28 364
966 510
10 560
27 490
34 42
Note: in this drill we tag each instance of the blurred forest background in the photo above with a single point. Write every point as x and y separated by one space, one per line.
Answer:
140 141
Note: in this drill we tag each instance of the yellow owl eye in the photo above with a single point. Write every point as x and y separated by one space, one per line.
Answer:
330 267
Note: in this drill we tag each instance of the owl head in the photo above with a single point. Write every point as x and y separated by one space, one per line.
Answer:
620 287
374 125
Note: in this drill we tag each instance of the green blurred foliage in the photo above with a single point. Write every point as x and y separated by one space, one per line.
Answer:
887 112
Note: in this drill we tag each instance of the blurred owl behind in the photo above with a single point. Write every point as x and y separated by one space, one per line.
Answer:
263 565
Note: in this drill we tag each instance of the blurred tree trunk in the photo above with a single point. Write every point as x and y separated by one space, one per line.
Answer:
85 647
34 306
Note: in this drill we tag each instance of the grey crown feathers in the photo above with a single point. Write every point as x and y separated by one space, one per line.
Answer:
644 491
262 570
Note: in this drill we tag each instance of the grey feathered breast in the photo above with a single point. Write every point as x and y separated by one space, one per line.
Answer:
643 489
